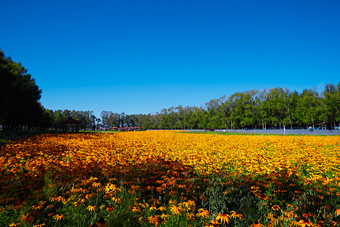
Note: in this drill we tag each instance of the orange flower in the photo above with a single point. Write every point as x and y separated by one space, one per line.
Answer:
91 208
40 225
162 208
58 217
202 213
305 223
337 212
276 207
214 222
110 208
14 224
257 224
115 199
175 210
152 208
223 218
235 215
157 220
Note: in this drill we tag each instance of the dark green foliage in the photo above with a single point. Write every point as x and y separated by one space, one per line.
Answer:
268 109
19 97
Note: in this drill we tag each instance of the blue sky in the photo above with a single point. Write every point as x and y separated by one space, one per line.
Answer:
143 56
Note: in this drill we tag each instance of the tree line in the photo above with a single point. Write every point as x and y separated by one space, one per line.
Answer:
20 109
87 120
270 108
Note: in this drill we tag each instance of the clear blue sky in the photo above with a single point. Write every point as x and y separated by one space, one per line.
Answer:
141 56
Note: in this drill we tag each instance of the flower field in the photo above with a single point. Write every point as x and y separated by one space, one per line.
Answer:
163 178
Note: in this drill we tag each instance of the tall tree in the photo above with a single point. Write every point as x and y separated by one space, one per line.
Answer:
19 96
332 105
275 103
308 108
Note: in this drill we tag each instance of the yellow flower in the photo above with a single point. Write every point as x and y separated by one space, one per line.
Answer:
153 208
165 216
14 224
203 213
39 225
223 218
91 208
175 210
276 207
96 184
235 215
214 222
136 210
157 220
58 217
115 199
162 208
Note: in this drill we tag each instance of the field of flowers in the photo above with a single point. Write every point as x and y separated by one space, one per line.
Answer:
164 178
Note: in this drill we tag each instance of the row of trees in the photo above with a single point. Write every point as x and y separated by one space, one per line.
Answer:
20 108
270 108
87 119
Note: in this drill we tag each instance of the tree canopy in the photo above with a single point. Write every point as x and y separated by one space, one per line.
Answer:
19 97
269 108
